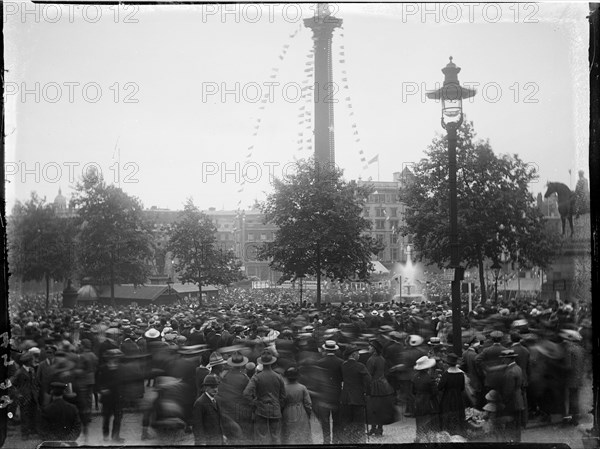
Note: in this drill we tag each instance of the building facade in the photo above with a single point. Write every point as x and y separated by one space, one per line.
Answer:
386 213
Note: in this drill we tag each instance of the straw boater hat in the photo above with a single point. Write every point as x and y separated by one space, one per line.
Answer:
424 363
434 341
330 345
237 359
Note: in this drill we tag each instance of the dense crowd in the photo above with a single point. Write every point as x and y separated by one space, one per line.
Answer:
251 367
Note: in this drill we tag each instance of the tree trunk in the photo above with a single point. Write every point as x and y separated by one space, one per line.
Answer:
112 282
318 276
482 281
47 291
199 294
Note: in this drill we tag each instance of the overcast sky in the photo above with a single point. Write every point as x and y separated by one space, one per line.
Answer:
138 91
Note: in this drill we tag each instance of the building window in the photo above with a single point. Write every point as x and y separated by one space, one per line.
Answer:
263 236
394 253
393 212
250 237
393 239
380 211
394 224
379 224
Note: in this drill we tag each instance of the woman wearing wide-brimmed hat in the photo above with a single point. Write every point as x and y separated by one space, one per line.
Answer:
426 402
295 425
380 404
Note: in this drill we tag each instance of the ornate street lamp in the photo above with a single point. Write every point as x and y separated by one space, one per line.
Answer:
496 267
452 95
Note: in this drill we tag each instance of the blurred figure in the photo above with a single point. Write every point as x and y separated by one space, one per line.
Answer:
110 388
85 382
452 407
327 403
512 397
295 426
380 403
355 388
574 363
59 419
44 374
426 403
27 392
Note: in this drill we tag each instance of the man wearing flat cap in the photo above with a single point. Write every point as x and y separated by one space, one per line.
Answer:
353 400
266 390
59 419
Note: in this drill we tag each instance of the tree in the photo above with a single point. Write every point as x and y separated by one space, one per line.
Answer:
114 240
320 228
496 211
40 242
193 242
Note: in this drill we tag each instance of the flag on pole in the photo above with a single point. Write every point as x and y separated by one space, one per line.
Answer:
375 159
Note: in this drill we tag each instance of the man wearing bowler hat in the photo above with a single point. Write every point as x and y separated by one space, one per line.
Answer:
353 400
327 403
207 416
266 390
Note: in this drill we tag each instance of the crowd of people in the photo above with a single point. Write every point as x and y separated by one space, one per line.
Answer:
252 368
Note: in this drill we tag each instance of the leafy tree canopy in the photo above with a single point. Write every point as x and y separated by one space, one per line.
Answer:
200 261
114 240
496 211
320 227
40 242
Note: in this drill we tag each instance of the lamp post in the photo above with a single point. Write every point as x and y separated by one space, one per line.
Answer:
452 95
496 267
169 283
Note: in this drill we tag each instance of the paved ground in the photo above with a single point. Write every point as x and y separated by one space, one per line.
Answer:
399 432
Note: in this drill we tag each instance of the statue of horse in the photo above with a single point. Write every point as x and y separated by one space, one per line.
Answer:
566 202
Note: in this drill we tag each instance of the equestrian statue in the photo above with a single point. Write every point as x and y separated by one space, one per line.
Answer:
570 203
